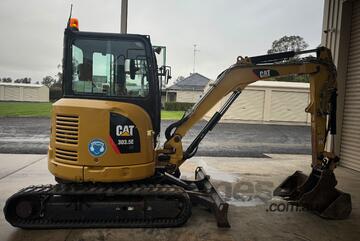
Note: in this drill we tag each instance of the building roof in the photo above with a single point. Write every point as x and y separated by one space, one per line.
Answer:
21 85
195 82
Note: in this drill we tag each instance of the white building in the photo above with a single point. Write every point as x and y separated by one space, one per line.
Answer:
268 102
187 90
24 92
341 33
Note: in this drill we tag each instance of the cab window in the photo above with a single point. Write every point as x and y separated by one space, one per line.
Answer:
109 68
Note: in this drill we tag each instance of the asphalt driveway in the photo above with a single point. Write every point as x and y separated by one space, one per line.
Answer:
31 136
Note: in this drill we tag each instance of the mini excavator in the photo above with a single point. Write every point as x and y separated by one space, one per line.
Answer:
104 151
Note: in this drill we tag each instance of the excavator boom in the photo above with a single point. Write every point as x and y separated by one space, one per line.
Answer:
316 192
322 78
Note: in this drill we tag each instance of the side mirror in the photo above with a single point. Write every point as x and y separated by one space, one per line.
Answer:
167 75
133 69
157 49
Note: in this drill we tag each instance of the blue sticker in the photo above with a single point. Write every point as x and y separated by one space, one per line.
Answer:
97 147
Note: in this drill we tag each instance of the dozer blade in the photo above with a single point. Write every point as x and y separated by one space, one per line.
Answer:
209 197
316 193
202 192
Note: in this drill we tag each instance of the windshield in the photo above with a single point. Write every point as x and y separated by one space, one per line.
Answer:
109 68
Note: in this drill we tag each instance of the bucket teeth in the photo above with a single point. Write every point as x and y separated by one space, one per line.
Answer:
316 193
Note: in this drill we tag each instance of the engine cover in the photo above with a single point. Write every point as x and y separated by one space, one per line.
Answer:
100 141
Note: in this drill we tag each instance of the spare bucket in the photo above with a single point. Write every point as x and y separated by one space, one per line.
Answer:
316 193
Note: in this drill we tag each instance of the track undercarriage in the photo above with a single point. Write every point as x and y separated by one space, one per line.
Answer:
162 201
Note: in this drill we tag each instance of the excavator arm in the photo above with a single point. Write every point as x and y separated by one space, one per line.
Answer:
317 191
322 78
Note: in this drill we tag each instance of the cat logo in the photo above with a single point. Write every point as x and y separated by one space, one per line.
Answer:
264 73
124 135
125 130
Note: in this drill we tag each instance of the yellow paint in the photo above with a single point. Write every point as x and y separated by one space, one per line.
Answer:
76 122
237 77
125 134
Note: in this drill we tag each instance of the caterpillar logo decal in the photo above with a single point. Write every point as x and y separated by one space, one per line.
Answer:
265 73
124 136
125 130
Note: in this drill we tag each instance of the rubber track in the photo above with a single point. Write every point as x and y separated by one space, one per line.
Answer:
145 190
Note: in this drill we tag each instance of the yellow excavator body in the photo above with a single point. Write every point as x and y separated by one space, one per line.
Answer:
104 150
81 124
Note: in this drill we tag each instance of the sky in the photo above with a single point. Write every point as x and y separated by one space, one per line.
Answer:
32 31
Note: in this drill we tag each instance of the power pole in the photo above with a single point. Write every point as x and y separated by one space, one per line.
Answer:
195 50
124 16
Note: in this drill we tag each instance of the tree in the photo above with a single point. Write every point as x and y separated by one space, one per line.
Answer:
48 81
58 77
288 43
25 80
6 80
54 84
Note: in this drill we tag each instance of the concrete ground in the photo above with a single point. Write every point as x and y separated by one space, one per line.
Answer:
246 183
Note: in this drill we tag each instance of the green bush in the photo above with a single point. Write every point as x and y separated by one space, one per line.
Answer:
178 106
55 93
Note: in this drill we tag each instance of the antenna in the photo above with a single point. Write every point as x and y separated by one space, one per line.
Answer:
195 50
71 6
68 23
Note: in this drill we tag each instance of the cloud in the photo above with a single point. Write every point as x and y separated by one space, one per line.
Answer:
32 31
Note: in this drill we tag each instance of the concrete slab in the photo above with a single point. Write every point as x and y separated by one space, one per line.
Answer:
15 162
246 182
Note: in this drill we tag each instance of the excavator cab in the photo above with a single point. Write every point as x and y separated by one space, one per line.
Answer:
114 67
108 120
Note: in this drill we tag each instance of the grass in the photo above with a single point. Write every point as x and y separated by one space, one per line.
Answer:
33 109
171 115
25 109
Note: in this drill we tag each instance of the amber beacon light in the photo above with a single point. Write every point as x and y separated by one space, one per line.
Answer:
74 23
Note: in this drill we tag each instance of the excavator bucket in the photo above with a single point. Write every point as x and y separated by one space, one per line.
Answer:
316 193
